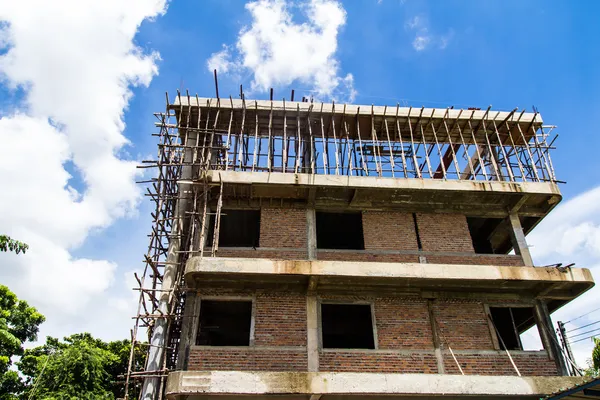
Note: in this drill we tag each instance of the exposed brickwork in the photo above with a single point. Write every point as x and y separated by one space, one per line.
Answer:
365 256
389 230
283 227
245 359
280 320
369 361
476 259
444 232
463 325
259 253
403 324
531 364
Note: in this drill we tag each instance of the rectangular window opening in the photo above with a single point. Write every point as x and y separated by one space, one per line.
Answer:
238 228
347 326
340 231
483 233
515 328
224 323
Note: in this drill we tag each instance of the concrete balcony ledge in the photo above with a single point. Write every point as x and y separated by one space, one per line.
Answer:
536 281
334 384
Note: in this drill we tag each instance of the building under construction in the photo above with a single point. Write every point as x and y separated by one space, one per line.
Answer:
305 250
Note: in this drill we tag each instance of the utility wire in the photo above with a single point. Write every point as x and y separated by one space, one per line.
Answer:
585 338
584 326
581 316
583 333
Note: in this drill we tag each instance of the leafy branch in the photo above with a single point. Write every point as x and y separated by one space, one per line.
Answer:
9 244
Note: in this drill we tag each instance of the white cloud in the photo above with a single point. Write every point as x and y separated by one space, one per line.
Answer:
76 62
277 51
424 38
571 233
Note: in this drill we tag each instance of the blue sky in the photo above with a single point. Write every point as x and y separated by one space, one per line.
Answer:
421 53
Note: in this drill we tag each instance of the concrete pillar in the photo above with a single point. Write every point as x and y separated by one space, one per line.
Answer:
312 304
518 239
436 339
311 233
189 328
548 336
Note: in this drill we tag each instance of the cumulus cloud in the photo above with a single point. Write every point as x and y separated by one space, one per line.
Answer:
424 38
62 156
278 51
571 233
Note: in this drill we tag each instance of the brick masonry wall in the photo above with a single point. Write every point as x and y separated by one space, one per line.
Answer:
389 230
444 232
403 324
283 227
260 253
358 255
280 320
246 359
531 364
370 361
476 259
463 324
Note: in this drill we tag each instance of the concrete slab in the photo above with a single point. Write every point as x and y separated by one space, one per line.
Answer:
548 283
183 383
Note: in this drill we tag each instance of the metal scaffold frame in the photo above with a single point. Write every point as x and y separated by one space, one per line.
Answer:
198 135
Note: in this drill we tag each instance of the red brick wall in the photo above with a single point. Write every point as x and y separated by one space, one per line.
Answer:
280 320
365 256
283 227
389 230
531 364
370 361
259 253
246 359
476 259
403 324
444 232
463 324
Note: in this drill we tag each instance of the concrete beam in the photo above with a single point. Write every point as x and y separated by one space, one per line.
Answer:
575 281
343 181
183 383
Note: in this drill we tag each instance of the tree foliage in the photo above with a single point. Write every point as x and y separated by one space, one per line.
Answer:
596 354
19 323
78 367
9 244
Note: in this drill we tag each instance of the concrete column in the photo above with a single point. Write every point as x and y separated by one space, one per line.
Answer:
312 332
311 233
436 339
548 336
518 239
312 304
189 328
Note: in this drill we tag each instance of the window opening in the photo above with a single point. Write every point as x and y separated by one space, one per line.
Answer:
238 228
513 327
340 231
482 231
347 326
224 323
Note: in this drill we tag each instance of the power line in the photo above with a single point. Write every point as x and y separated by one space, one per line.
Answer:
581 316
585 338
583 333
584 326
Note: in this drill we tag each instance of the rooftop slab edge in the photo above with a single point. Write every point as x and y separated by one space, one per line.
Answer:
353 109
386 270
279 178
323 383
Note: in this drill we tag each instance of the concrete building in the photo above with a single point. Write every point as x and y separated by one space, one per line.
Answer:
324 251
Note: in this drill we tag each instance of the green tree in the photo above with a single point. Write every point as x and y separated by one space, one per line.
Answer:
79 367
8 244
19 323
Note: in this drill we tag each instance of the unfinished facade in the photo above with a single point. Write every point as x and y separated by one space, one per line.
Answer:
308 251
